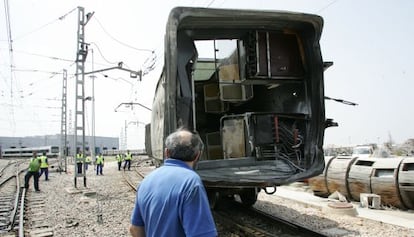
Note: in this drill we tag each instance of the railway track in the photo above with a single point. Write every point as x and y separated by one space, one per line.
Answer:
35 223
21 210
10 196
140 169
245 221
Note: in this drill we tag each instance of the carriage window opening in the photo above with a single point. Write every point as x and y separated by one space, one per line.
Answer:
219 56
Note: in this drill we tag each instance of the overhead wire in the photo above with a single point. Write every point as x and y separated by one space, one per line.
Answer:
147 68
43 26
122 79
328 5
4 79
62 59
221 4
155 61
100 53
35 86
40 55
152 62
13 82
36 70
120 42
9 34
10 43
45 56
211 2
52 75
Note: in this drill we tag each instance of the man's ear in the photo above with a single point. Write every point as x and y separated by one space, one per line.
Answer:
166 153
197 156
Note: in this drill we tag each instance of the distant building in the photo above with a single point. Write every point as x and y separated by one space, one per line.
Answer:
101 143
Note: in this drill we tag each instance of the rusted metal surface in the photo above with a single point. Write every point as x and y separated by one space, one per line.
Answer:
384 181
337 174
390 178
233 138
406 182
359 177
318 183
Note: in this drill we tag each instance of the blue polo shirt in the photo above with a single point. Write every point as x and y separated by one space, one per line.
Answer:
172 201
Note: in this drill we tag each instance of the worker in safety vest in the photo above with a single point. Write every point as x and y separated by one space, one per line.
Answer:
33 170
128 158
44 166
99 164
79 162
119 158
88 161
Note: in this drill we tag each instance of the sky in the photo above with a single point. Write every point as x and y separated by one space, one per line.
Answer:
370 43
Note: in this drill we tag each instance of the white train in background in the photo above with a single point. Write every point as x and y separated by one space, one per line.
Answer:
24 152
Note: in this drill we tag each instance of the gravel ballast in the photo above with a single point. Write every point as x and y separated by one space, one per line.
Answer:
104 208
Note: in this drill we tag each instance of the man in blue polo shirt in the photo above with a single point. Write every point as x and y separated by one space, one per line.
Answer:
171 200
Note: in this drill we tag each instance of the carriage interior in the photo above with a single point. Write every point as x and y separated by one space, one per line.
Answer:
251 104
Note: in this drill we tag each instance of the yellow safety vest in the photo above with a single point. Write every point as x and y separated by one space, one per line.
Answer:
128 156
88 160
99 160
119 158
43 160
79 158
34 164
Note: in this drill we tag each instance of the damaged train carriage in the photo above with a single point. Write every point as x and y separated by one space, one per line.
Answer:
251 84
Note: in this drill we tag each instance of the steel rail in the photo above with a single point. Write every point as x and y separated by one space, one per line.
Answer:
21 217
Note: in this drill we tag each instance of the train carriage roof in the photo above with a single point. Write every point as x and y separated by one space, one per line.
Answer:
188 18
